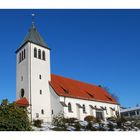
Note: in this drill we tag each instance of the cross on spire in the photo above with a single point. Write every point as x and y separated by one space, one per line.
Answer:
33 18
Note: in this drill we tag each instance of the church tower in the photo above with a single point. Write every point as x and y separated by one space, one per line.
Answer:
33 75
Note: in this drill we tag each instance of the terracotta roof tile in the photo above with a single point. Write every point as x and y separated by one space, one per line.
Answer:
22 102
75 89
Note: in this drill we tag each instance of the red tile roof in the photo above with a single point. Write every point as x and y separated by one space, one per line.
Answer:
22 102
75 89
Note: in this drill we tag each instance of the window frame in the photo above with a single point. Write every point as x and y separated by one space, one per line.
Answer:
39 54
35 52
69 107
42 111
43 55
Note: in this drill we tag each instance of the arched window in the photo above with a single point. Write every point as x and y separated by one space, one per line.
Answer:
42 111
84 109
24 54
19 57
35 52
39 54
22 93
69 107
43 55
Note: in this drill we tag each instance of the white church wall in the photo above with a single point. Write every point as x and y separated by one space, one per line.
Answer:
22 79
82 115
55 103
40 101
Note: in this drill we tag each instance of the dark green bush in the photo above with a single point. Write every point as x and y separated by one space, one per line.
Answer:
77 126
59 121
120 121
113 119
111 127
37 123
13 118
71 120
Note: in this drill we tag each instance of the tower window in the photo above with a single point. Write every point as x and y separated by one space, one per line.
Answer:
52 111
22 57
39 54
69 107
21 78
24 54
40 91
43 55
19 57
40 77
35 52
42 111
22 93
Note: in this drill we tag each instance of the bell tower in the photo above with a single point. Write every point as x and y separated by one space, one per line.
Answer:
33 75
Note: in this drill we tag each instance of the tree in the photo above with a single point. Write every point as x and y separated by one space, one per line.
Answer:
13 118
113 95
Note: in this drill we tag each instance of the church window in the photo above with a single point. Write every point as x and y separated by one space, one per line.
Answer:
22 57
21 78
52 111
99 114
43 55
40 92
84 109
24 54
42 111
39 54
40 77
69 107
19 57
35 52
22 93
37 115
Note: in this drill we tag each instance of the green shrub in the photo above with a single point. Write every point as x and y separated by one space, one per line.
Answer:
13 118
71 120
113 119
89 126
37 123
120 121
77 126
111 127
59 121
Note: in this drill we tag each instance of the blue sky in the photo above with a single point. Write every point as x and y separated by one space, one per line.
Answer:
101 47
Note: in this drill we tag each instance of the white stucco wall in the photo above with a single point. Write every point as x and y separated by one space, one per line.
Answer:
89 111
22 70
30 69
40 67
55 103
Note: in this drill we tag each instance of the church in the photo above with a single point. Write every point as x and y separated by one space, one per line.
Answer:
47 95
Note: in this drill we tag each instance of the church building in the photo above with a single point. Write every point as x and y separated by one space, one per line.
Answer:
48 95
